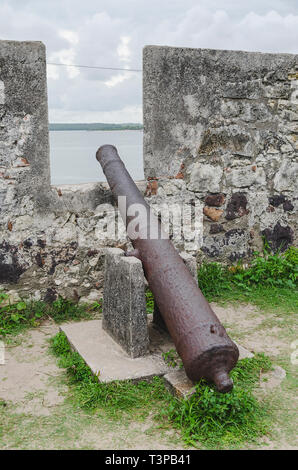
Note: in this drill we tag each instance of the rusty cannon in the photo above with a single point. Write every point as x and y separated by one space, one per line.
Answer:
200 339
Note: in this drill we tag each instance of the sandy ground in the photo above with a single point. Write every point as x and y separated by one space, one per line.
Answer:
37 415
246 322
27 372
31 386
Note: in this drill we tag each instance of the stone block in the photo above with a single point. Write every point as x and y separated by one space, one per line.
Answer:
212 213
205 177
24 119
124 306
286 177
246 177
106 359
186 113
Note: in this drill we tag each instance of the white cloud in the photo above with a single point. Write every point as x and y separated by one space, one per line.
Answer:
112 33
52 72
116 79
123 50
63 56
70 36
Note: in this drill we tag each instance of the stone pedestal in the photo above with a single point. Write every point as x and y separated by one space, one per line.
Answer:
108 360
124 305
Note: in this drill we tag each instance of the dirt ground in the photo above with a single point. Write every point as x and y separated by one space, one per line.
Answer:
35 414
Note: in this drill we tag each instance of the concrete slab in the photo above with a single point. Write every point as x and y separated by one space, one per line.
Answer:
179 384
243 352
106 358
110 362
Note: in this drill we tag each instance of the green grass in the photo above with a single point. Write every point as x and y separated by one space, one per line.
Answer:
270 281
16 317
281 300
116 397
149 301
172 358
225 420
207 419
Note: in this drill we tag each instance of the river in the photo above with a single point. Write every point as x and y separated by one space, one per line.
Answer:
72 154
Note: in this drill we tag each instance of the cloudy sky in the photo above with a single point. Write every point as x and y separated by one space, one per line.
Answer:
112 33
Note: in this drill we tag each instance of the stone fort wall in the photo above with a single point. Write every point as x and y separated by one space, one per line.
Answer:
220 130
222 127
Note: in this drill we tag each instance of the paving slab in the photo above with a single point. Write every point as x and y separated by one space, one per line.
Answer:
106 358
109 362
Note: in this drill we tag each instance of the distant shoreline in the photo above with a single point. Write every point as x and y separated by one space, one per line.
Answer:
97 126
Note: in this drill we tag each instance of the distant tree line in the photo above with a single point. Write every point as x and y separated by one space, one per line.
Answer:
95 126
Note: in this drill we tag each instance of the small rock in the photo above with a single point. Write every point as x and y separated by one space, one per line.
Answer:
212 213
151 189
243 352
216 228
13 298
93 296
287 206
215 200
179 384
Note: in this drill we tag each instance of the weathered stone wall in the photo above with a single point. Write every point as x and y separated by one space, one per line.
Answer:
50 238
221 127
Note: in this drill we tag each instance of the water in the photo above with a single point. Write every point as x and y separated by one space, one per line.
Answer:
72 154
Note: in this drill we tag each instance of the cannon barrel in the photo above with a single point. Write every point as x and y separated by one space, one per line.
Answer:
200 339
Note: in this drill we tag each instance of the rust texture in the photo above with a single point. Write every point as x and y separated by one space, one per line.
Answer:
200 339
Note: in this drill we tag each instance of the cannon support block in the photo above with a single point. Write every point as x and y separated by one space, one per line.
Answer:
124 306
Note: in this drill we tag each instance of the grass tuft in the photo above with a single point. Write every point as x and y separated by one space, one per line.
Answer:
270 281
208 418
219 420
89 393
16 317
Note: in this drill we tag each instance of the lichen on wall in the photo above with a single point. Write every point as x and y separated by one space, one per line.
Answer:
48 242
226 124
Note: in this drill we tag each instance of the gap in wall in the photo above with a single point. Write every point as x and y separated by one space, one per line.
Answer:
72 154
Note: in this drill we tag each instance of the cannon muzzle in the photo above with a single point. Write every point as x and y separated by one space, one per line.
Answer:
200 339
